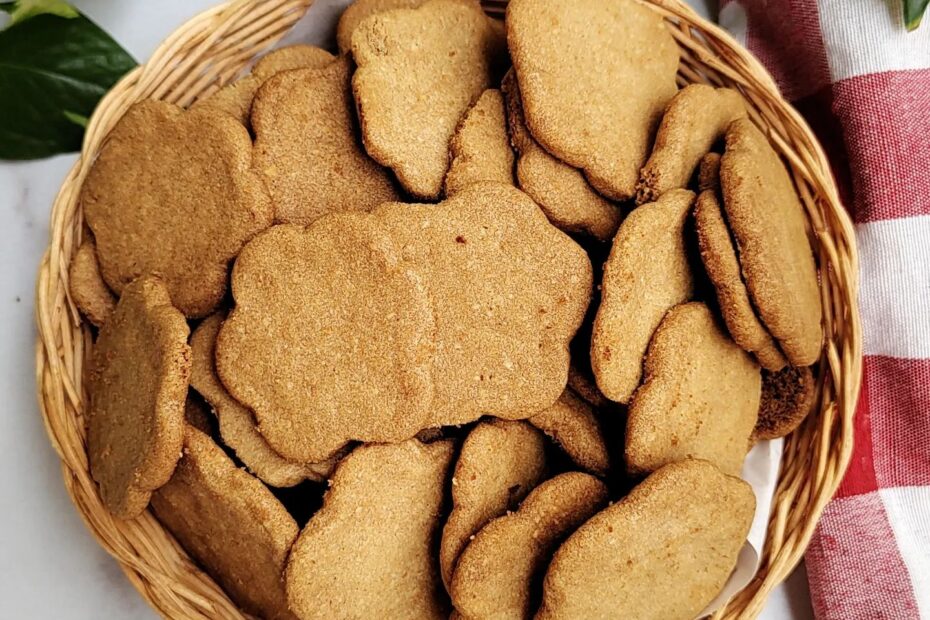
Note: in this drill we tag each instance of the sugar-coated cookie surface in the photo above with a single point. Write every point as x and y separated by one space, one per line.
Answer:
500 571
572 78
646 273
369 552
418 72
500 462
787 398
560 190
319 312
236 97
661 553
173 193
90 293
231 524
770 228
480 149
237 425
358 11
509 291
699 397
708 176
572 424
306 147
581 381
696 118
722 266
137 385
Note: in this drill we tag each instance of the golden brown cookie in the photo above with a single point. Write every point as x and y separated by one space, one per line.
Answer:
582 383
237 424
787 398
661 553
418 72
368 552
699 398
646 273
709 173
508 290
500 571
722 266
573 425
565 65
499 464
88 290
770 228
696 118
231 524
480 149
137 386
358 11
236 97
173 193
319 312
197 413
560 190
306 147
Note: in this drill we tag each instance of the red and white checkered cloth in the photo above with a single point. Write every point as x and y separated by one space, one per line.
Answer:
863 83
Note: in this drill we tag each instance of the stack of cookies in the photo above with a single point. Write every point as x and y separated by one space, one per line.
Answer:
476 318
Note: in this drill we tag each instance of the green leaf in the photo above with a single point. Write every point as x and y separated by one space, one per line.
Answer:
77 119
913 12
7 7
24 9
51 65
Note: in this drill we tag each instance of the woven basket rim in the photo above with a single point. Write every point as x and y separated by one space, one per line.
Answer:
211 49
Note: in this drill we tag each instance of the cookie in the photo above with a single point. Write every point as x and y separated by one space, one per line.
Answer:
230 524
663 552
770 228
480 149
572 424
508 290
582 383
173 193
88 290
699 398
137 386
197 413
419 70
499 464
319 312
572 67
709 172
696 118
237 424
787 398
358 11
646 273
306 147
560 190
368 552
500 571
236 97
722 266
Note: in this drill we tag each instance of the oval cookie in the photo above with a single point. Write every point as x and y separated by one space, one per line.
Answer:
699 397
646 273
369 551
661 553
499 464
770 229
787 398
209 498
319 312
137 387
572 424
173 193
90 293
480 149
501 569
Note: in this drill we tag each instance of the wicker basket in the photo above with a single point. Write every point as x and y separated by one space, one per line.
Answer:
210 50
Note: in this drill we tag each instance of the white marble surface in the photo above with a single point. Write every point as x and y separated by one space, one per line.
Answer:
50 566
